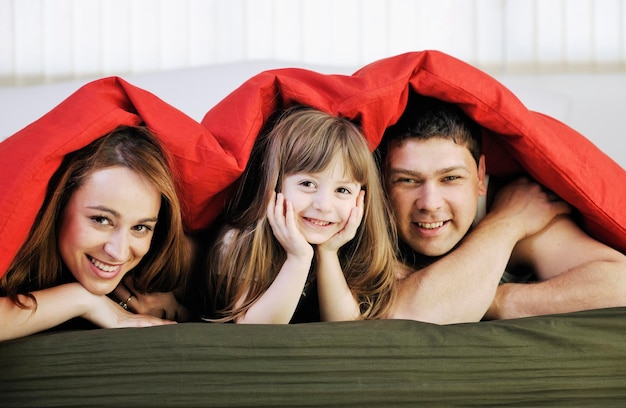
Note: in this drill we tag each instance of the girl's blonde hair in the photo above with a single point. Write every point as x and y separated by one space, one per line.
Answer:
246 257
38 263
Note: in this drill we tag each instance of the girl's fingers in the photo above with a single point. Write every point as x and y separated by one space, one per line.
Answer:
360 203
290 219
356 215
270 208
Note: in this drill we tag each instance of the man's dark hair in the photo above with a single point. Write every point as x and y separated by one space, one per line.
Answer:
425 118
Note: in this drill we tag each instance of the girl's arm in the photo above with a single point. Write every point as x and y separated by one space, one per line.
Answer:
337 303
278 304
59 304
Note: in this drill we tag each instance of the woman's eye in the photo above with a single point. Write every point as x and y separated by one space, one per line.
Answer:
98 219
142 229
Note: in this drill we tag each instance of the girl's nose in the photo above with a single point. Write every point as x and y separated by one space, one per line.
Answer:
322 201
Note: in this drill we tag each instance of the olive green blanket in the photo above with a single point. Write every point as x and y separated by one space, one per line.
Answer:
577 359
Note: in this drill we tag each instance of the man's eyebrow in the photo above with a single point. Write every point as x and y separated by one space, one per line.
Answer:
445 170
399 170
452 168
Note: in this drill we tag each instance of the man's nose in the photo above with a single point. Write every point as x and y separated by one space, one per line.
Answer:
429 197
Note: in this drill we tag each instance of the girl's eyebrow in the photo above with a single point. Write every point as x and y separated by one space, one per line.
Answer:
117 214
348 182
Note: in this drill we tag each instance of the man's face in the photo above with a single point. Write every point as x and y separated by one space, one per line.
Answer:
433 186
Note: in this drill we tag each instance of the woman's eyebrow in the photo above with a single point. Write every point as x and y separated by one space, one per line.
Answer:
104 209
117 214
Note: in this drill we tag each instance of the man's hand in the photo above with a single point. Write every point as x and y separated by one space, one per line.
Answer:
528 206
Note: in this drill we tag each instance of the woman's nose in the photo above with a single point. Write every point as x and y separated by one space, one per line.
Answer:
117 246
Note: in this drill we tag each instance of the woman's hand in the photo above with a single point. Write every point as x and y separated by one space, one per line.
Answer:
106 313
163 305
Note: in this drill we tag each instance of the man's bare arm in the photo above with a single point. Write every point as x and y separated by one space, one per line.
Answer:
461 286
575 272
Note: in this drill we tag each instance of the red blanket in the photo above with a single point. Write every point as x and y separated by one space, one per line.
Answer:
209 156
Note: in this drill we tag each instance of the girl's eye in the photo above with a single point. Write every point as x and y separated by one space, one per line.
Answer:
307 183
343 190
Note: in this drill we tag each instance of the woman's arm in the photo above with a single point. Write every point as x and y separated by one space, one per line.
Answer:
59 304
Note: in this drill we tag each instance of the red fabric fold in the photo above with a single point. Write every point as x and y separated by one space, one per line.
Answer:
211 155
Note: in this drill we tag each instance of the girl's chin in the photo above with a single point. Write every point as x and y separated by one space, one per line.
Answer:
317 240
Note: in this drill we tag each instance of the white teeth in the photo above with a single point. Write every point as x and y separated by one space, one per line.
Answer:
318 222
430 225
102 266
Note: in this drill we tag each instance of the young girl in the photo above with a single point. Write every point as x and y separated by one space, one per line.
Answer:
296 217
111 209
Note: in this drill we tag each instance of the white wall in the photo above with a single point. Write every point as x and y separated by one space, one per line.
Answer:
49 40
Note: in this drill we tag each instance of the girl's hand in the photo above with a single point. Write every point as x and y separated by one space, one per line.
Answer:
349 229
282 219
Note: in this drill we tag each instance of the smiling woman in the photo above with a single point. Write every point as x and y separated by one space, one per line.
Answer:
110 210
107 227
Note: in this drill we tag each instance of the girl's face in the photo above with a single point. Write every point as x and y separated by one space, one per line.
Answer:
322 201
107 227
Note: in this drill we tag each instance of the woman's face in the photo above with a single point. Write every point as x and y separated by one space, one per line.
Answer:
107 227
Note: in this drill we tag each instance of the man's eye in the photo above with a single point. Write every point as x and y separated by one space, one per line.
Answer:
451 178
406 180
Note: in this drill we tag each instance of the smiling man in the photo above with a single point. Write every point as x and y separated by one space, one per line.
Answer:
435 177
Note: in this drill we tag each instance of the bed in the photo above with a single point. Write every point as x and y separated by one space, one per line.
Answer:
571 359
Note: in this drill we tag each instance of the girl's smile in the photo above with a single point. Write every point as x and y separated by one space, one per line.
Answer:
322 201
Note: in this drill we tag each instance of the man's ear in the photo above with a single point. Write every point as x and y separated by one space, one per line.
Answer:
482 171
